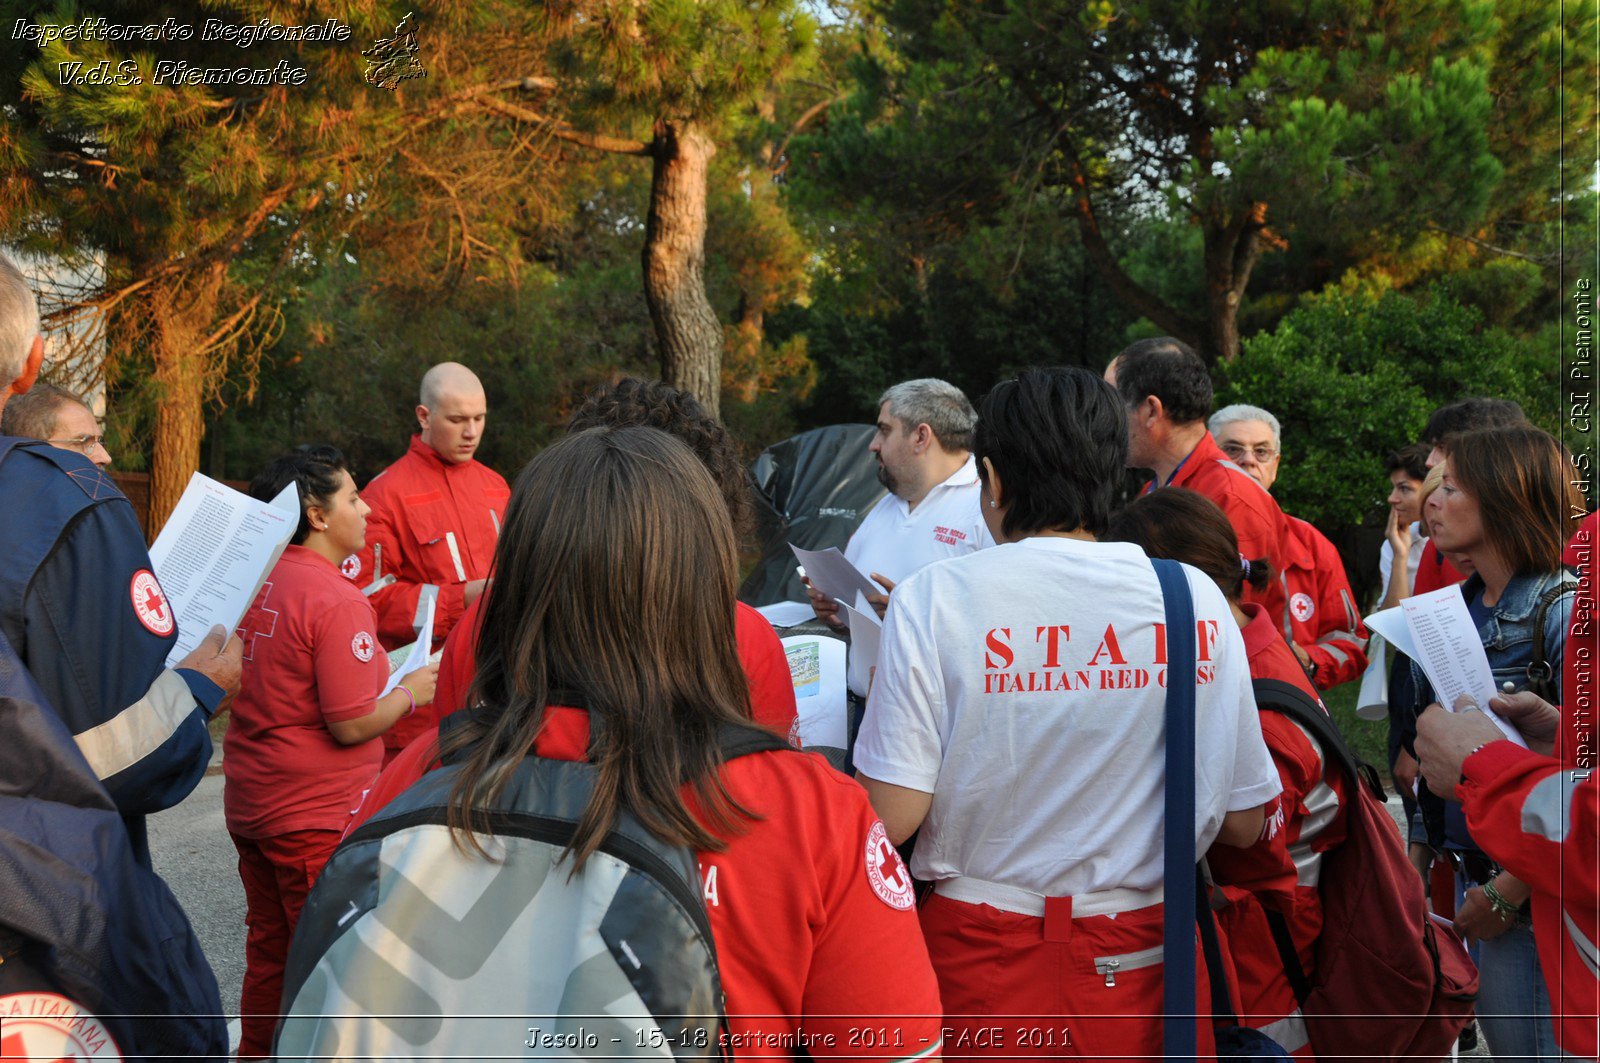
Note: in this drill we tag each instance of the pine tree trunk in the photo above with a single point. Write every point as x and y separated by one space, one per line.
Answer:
687 330
179 322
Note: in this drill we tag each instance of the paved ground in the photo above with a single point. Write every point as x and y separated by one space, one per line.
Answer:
191 850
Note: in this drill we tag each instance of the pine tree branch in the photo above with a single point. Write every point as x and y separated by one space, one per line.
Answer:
597 141
1104 259
1538 260
805 119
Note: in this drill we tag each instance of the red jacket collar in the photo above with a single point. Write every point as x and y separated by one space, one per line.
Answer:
1260 631
1204 451
425 453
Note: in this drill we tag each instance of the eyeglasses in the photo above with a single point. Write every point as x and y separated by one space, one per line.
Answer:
85 444
1237 451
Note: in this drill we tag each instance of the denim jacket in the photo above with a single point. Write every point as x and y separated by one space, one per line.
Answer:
1507 637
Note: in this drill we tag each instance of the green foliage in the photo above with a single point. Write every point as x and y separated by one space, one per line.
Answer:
1261 124
1354 376
680 60
971 313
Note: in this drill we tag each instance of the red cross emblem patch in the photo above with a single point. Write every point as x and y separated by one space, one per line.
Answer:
888 875
150 604
363 646
351 566
1302 606
43 1026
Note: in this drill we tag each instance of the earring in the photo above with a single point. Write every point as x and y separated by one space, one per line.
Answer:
993 504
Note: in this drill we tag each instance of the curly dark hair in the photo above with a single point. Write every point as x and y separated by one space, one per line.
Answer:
632 401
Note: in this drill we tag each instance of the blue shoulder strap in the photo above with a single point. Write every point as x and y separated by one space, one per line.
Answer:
1178 966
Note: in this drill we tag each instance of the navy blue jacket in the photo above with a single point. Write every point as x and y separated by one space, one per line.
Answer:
92 946
73 552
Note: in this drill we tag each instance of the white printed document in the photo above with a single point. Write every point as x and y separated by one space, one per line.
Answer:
214 553
1447 646
866 632
831 574
416 655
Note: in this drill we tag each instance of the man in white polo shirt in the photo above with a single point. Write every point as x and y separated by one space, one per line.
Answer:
931 511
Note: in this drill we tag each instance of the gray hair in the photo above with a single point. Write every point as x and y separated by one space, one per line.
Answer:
33 414
1240 412
19 321
941 406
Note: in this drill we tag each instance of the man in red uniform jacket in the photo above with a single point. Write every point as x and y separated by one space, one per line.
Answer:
1322 625
1167 389
435 514
1537 810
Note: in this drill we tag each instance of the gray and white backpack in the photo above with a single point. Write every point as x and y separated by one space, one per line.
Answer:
409 948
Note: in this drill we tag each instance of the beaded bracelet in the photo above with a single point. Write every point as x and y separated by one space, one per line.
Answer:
1497 902
410 697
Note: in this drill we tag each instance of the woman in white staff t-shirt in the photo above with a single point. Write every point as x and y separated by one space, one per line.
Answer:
1017 720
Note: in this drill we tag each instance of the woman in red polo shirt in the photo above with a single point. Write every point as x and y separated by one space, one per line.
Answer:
303 737
1188 527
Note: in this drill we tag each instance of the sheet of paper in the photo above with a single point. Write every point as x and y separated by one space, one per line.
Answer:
817 667
214 553
418 655
866 632
787 614
1372 700
831 574
1451 653
1391 624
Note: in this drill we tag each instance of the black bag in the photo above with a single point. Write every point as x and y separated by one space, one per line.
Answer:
408 948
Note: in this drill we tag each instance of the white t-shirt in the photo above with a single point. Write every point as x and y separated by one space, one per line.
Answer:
1058 791
895 541
1419 542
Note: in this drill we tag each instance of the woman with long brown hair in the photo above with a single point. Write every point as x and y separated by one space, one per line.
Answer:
610 638
1507 503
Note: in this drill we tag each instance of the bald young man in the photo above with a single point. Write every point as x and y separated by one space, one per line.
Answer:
436 514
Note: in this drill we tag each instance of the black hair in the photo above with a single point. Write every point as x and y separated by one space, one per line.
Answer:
313 468
1058 438
1411 460
1470 415
1183 525
1170 370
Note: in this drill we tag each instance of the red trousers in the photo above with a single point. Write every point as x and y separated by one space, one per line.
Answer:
277 873
1030 987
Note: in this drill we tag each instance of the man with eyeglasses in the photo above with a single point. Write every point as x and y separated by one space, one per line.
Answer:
1321 624
1167 391
58 417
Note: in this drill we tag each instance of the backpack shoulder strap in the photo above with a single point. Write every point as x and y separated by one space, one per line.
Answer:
1540 673
1179 904
740 740
1291 701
